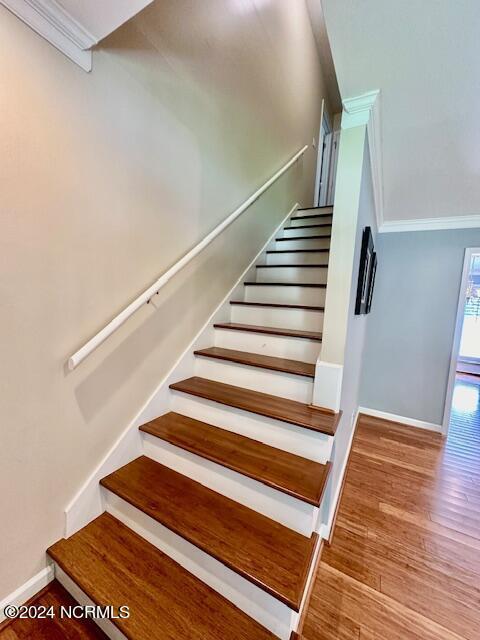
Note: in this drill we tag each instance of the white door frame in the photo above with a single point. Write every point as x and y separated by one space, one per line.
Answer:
457 337
324 119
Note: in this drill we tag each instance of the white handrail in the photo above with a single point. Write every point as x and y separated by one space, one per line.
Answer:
114 324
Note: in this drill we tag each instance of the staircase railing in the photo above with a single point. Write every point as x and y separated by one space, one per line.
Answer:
144 297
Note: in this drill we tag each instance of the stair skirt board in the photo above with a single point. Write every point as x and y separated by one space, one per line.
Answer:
317 275
86 504
277 383
109 629
307 443
285 244
275 504
296 257
306 319
272 345
252 600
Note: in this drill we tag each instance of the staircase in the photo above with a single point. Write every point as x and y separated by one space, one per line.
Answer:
213 532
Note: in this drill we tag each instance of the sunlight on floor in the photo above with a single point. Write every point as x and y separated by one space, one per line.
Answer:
465 398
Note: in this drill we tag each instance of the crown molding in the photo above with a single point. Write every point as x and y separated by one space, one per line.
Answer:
364 110
52 22
431 224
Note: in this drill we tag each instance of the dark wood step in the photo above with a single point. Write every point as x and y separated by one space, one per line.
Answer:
286 284
274 331
309 226
293 265
311 216
266 553
294 367
276 305
327 235
115 566
264 404
291 474
327 206
298 251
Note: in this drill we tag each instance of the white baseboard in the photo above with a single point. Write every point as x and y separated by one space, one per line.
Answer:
325 529
27 590
411 422
87 503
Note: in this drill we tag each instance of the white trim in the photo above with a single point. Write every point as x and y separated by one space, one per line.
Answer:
316 193
431 224
392 417
327 387
326 528
87 503
457 337
143 298
365 110
51 21
28 590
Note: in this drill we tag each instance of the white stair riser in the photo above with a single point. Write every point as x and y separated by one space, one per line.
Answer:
303 442
81 597
255 602
307 243
314 296
302 223
292 257
294 387
277 346
310 212
310 231
274 504
278 317
316 275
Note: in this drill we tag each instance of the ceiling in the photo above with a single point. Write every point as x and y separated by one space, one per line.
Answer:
424 57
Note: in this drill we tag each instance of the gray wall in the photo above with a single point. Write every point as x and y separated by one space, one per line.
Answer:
410 333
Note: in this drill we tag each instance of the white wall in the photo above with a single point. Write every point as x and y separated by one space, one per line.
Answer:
353 180
106 180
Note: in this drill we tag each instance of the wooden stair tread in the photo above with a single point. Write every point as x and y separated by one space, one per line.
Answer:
278 305
286 472
115 566
309 226
274 331
298 250
261 550
292 264
313 285
294 367
291 411
312 215
327 235
325 206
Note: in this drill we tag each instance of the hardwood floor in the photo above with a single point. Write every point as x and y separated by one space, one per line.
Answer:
57 628
405 559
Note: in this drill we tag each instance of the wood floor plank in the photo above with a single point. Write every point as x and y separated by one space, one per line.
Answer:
405 561
286 472
115 566
264 404
57 628
261 550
